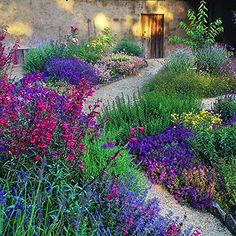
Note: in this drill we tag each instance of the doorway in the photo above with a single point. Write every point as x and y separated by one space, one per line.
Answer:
153 35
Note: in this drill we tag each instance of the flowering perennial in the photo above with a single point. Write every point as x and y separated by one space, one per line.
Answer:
168 159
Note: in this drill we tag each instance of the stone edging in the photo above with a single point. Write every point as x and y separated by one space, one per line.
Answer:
227 219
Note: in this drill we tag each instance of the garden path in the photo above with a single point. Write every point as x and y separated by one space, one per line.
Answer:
206 222
127 86
207 103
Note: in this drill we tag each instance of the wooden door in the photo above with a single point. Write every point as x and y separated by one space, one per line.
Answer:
153 35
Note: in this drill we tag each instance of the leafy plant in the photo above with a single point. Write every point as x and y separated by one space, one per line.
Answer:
200 31
225 106
216 145
212 58
36 58
128 46
92 49
180 60
228 172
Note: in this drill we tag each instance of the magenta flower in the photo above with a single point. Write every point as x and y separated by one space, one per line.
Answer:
132 131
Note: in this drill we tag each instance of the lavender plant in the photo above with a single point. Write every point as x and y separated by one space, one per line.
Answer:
70 70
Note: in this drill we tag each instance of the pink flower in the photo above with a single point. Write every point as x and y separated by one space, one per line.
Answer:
174 229
133 140
81 166
65 126
73 29
132 131
141 129
37 158
115 194
109 196
24 132
81 145
70 157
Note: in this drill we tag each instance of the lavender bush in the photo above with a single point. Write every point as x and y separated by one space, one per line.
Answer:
213 59
71 70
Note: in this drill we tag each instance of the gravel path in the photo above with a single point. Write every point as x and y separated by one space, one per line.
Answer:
126 86
206 222
208 102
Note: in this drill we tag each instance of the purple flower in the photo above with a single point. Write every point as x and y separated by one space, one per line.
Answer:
168 158
70 70
109 144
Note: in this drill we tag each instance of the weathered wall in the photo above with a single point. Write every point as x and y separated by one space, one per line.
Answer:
35 21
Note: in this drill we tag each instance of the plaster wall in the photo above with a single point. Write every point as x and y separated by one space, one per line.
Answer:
36 21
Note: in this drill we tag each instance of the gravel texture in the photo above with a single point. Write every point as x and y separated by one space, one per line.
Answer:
127 86
206 222
208 102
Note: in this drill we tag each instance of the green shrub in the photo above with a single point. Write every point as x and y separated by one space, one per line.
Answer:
212 58
128 46
98 158
191 83
200 31
225 106
228 172
92 49
36 58
152 110
180 60
217 144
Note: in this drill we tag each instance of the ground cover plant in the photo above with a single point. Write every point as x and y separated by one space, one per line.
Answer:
70 70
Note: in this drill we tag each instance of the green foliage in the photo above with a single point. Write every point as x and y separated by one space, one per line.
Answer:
191 83
228 171
181 60
120 57
36 58
152 110
92 49
212 58
97 158
199 31
128 46
225 106
216 145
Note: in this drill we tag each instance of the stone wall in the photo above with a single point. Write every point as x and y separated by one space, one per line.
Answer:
35 21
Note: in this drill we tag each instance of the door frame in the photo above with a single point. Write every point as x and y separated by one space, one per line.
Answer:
161 52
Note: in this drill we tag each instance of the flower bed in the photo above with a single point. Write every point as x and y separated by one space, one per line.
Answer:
46 185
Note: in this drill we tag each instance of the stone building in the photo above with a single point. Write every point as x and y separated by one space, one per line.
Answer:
150 22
